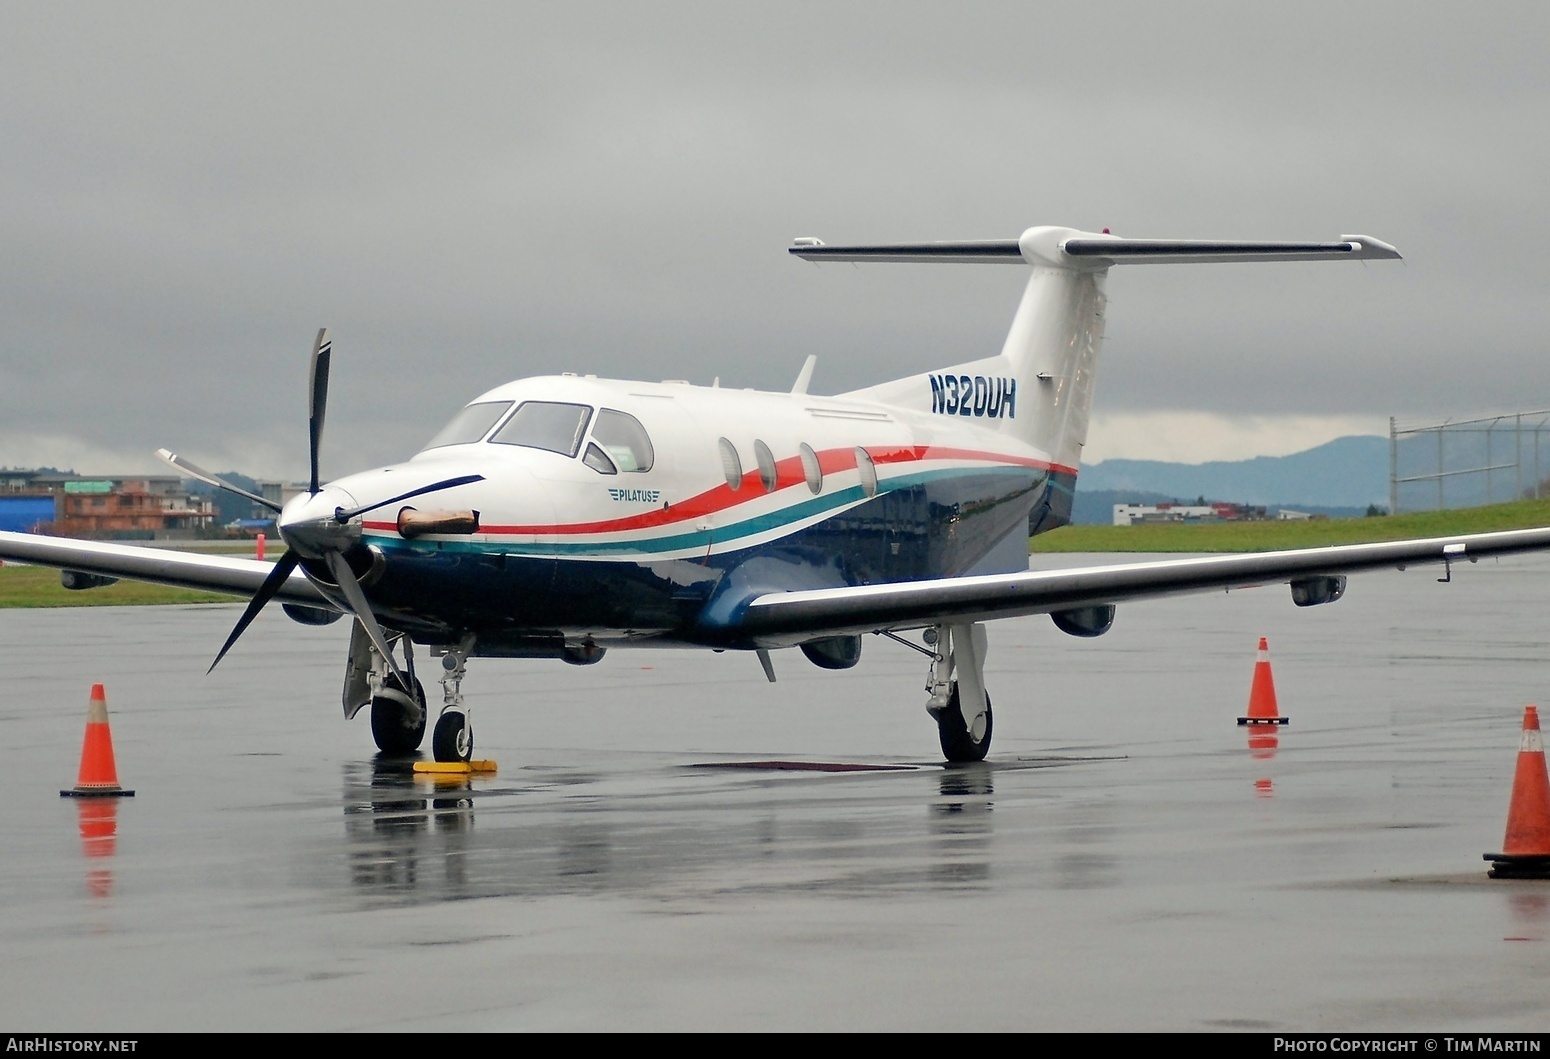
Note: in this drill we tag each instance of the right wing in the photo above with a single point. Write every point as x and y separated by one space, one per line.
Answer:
792 617
210 573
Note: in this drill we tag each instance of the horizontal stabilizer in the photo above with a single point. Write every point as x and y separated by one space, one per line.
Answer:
981 252
1164 251
1069 248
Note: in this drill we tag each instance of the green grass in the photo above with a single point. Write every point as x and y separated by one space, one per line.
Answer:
38 586
1277 535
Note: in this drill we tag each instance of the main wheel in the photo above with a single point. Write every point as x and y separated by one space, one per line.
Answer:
453 739
396 725
958 745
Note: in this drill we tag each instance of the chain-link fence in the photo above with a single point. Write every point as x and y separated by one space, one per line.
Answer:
1468 463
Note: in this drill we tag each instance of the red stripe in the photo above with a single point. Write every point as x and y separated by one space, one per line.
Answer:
788 473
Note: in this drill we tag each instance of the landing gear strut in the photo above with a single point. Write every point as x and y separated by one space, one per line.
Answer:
453 738
397 714
959 703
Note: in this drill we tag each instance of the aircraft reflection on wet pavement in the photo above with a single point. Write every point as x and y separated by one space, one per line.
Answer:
565 831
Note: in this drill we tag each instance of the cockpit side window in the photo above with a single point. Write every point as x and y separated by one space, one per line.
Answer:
470 424
550 425
624 440
597 460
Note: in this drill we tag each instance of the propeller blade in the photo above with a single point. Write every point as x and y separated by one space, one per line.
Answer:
345 577
266 591
341 515
206 477
322 351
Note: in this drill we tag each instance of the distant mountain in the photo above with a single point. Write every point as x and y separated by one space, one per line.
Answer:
228 506
1349 472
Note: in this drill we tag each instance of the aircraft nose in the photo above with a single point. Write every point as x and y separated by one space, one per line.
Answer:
307 523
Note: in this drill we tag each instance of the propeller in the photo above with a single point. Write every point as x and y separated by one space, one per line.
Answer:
309 530
189 468
266 591
317 398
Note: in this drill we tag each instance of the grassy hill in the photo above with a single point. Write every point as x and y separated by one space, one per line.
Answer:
1274 536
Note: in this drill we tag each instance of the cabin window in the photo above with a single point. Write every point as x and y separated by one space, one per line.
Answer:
730 464
597 460
868 472
471 424
767 472
549 425
624 440
812 469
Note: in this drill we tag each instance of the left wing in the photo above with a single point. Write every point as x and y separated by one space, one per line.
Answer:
211 573
794 616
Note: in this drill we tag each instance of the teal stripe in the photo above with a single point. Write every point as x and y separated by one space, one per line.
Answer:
694 539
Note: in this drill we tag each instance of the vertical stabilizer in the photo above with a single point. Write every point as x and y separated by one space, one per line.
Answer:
1039 388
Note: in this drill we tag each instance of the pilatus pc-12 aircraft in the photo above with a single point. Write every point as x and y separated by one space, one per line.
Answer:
561 516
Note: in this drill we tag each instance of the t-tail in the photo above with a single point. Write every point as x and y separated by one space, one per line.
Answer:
1039 388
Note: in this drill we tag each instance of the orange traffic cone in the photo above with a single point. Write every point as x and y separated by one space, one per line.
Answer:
1526 849
1262 693
98 776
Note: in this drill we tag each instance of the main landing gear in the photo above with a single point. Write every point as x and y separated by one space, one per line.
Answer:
397 713
959 703
397 719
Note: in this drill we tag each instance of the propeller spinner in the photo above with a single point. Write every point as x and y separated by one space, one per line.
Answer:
315 526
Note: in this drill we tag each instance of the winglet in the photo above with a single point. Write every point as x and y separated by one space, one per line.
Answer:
1373 248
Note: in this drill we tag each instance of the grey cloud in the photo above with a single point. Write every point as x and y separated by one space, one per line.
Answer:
468 194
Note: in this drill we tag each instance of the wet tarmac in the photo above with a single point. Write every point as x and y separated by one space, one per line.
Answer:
652 854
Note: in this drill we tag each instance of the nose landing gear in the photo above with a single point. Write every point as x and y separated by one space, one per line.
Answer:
453 737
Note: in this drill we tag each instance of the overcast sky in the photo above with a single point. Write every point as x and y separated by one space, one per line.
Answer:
466 194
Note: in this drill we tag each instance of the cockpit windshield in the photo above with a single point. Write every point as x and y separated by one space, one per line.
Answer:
550 425
470 424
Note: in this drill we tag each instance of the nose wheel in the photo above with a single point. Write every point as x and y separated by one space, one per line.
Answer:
453 739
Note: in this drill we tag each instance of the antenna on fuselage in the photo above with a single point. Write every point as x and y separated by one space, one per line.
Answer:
805 376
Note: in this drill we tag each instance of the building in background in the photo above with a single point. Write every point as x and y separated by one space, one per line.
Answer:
1138 514
105 508
24 505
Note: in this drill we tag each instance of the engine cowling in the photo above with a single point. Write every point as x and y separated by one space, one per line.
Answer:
1084 621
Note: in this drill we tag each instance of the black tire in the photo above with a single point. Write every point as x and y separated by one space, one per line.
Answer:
957 746
453 739
390 725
